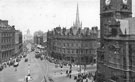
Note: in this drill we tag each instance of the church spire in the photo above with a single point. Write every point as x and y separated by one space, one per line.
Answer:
77 21
77 15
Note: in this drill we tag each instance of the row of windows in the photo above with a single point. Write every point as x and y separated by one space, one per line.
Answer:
6 54
90 44
7 40
81 58
7 34
76 51
6 46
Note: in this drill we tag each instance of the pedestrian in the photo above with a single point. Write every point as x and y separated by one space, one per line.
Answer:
75 77
70 76
87 80
61 71
70 71
94 77
26 79
67 72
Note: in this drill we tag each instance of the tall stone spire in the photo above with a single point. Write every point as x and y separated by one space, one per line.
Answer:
77 21
77 15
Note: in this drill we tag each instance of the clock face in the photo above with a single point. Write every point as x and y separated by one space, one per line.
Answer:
125 1
107 2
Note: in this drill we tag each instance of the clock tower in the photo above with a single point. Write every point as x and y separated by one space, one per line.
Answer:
111 10
112 56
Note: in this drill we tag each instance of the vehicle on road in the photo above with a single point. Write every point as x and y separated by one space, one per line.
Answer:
1 67
26 60
37 56
24 56
12 62
16 64
18 59
4 64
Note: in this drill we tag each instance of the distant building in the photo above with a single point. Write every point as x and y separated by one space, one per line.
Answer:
38 38
7 41
18 43
27 37
45 37
75 44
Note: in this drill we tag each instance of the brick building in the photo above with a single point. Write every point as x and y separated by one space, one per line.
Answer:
7 44
75 44
115 59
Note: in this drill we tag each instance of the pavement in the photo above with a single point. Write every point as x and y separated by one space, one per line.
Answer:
60 76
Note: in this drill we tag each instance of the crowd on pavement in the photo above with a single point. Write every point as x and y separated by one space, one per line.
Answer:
81 77
78 76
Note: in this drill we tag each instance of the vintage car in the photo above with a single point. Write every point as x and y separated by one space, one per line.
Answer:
16 64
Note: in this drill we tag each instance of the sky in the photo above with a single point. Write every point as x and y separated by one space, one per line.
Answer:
45 15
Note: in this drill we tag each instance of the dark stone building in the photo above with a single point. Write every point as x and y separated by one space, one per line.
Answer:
75 44
18 43
115 59
7 41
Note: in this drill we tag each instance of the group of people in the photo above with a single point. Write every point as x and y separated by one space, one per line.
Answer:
68 72
83 77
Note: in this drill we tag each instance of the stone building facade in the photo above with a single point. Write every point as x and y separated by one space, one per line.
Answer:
75 44
7 42
115 59
18 43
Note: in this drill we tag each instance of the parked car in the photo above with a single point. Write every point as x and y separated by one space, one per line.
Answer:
24 56
37 56
18 59
4 64
11 62
1 67
26 59
16 64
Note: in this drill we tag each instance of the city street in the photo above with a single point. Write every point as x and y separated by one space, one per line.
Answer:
34 66
39 71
